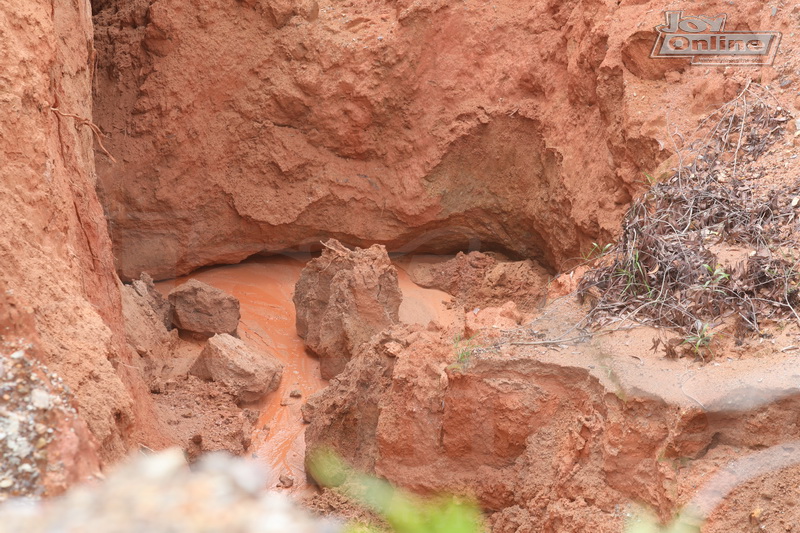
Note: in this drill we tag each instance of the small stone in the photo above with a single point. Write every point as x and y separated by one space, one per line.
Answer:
286 481
295 393
5 483
19 354
41 443
40 429
40 399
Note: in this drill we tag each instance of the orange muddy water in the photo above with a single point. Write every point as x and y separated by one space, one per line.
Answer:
264 287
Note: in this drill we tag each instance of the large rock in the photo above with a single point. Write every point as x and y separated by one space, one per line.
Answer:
343 298
202 309
248 375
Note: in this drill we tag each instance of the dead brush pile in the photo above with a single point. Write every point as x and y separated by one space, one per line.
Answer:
672 267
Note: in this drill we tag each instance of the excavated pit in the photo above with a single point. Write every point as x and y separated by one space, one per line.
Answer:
559 437
166 136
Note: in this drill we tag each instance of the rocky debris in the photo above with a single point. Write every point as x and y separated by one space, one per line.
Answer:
203 416
343 298
145 288
202 309
248 375
286 481
146 334
478 280
43 444
159 493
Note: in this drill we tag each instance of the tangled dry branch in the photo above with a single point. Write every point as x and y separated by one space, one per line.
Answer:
669 268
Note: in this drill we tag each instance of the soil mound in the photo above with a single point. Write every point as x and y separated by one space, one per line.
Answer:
203 416
480 280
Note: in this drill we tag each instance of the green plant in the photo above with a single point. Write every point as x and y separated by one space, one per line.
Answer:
597 251
403 511
464 349
701 339
634 275
717 274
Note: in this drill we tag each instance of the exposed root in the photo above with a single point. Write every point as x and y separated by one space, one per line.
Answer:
86 122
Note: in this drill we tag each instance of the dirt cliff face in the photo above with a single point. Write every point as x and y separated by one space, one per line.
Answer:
250 126
54 240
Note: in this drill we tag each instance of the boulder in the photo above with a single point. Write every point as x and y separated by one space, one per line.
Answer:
200 308
247 374
343 298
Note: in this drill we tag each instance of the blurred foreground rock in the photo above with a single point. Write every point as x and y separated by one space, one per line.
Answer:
159 493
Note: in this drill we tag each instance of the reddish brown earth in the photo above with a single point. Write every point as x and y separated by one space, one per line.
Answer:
261 126
565 437
54 240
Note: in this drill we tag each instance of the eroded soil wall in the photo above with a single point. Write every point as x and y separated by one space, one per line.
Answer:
53 237
242 127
